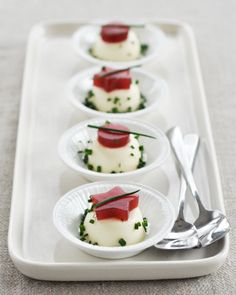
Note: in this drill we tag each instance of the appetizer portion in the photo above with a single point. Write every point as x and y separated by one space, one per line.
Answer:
113 219
114 91
114 150
117 42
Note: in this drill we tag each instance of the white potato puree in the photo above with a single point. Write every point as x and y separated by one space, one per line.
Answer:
122 99
108 232
120 51
121 159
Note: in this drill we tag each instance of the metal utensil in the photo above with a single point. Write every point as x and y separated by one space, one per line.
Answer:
211 225
183 234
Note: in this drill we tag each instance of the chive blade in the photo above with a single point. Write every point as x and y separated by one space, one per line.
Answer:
118 71
114 198
120 131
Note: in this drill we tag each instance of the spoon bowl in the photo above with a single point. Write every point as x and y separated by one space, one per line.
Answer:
212 225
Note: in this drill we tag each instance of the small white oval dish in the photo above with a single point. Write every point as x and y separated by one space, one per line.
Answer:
152 87
86 36
154 206
156 151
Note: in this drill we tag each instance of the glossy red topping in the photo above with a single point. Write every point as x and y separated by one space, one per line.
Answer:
119 208
121 80
114 33
113 139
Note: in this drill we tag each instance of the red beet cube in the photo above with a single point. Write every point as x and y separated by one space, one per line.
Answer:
114 33
121 80
119 208
115 191
113 139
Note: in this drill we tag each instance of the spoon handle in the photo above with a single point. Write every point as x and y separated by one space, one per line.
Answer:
191 143
176 140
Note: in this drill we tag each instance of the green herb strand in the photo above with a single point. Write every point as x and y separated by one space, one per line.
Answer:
120 131
122 242
114 198
118 71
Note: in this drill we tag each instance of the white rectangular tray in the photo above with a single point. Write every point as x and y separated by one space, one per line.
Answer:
40 178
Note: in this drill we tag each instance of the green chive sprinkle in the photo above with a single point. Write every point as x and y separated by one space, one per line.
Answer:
141 148
88 152
114 110
122 242
90 167
92 221
143 48
116 100
145 223
137 225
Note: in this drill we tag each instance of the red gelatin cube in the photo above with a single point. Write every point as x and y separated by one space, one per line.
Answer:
118 209
114 33
115 191
113 139
121 80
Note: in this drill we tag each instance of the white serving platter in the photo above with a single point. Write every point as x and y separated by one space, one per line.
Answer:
40 178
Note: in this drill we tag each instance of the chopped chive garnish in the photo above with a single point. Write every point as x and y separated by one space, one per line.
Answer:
128 98
137 225
90 167
85 159
99 168
131 154
122 242
141 163
114 198
145 223
81 229
92 221
136 81
88 103
129 109
120 131
114 110
88 152
90 93
116 100
141 148
143 49
132 147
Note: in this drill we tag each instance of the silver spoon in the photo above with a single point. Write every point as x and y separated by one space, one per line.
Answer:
211 225
183 234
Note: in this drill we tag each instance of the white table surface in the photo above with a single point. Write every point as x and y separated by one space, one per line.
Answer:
214 23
